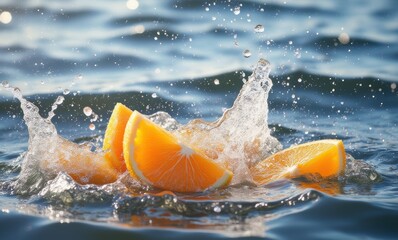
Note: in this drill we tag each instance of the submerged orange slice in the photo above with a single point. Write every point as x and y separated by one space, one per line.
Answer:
158 158
83 165
113 139
325 158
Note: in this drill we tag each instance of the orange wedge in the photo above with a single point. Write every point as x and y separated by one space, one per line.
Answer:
113 139
83 165
159 159
325 158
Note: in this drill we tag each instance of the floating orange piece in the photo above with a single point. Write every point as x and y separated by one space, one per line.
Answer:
83 165
326 158
113 139
159 159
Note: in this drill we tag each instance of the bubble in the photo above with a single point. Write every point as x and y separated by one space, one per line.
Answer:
87 111
237 10
247 53
154 95
132 4
344 38
259 28
91 127
66 91
216 82
207 9
217 209
5 17
299 80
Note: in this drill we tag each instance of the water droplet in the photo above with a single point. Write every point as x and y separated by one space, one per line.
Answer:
217 209
393 86
344 38
297 53
373 176
207 9
66 91
87 111
154 95
91 127
299 80
216 82
247 53
237 10
259 28
60 100
94 117
290 42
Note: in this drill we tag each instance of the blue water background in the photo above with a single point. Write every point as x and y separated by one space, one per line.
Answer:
103 53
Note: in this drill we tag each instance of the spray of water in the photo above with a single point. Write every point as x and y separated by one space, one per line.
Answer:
241 137
47 151
237 140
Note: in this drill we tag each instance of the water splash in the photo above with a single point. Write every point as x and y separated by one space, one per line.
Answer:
47 151
241 137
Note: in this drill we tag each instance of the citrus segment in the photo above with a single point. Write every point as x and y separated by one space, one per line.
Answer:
325 158
158 158
113 139
83 165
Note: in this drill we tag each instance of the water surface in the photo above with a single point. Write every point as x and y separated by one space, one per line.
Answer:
190 59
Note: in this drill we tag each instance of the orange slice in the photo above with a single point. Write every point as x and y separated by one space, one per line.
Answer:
159 159
113 139
83 165
325 158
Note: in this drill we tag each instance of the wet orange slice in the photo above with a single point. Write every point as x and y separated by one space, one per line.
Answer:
159 159
113 139
83 165
325 158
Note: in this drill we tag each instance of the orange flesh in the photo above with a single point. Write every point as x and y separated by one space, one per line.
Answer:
157 158
113 139
84 166
325 158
